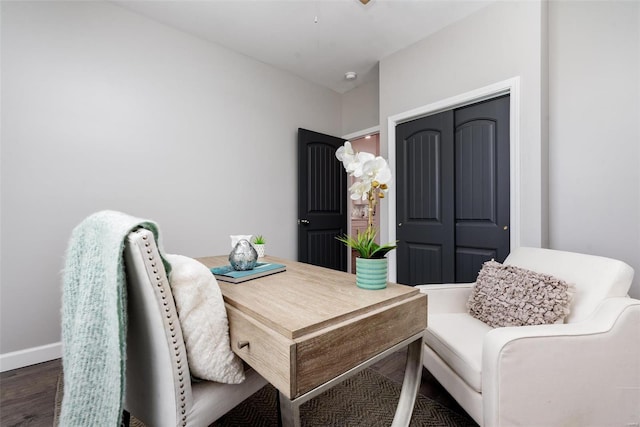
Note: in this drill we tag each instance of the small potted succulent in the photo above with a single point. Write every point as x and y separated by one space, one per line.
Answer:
259 244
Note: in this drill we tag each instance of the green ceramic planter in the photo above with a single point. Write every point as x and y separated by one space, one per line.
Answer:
371 273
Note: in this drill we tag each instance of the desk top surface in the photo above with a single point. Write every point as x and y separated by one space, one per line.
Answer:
305 298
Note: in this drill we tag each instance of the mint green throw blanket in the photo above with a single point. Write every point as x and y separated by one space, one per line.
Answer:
94 319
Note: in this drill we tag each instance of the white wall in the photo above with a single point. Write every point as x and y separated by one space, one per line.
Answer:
579 64
361 107
105 109
594 129
499 42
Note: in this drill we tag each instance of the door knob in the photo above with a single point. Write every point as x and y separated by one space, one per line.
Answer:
399 224
303 221
506 227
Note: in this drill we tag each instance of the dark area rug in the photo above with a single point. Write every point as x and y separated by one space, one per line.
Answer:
366 399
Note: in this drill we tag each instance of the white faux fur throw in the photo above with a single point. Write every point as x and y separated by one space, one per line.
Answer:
204 323
94 319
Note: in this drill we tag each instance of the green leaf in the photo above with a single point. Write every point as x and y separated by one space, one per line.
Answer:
364 243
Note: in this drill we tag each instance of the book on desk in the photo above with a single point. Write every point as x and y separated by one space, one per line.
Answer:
226 273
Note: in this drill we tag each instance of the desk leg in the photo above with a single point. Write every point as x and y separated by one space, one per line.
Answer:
410 385
289 412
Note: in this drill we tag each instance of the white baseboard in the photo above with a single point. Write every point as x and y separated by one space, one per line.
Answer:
30 356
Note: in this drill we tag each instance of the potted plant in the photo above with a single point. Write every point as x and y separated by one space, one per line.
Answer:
259 244
373 176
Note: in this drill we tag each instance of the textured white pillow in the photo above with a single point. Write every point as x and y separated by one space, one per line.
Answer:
506 295
204 323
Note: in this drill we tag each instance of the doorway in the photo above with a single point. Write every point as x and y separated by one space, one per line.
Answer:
322 201
358 211
453 207
509 86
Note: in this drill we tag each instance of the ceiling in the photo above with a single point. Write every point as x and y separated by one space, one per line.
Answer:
318 40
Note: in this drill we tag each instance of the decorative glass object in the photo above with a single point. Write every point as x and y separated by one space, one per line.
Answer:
235 238
243 256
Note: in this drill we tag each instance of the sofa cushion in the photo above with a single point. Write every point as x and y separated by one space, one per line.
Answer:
506 295
457 338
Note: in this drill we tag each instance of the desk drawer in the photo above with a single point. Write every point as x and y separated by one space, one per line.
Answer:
296 367
268 352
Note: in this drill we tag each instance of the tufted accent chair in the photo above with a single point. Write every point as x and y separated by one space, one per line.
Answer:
159 390
585 372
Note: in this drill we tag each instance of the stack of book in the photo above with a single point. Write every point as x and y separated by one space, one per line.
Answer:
226 273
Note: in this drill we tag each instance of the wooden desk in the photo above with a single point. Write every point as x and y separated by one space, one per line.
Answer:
308 328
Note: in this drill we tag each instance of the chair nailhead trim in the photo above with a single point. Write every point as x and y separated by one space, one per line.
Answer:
163 292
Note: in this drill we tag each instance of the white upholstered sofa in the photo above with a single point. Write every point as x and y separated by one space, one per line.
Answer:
584 372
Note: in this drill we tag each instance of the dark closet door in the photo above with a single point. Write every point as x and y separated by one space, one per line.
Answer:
453 193
482 186
322 201
425 202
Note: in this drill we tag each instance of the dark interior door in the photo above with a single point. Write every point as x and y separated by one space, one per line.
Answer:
425 203
453 193
482 186
322 201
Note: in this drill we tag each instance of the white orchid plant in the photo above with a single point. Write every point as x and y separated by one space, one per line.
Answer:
373 177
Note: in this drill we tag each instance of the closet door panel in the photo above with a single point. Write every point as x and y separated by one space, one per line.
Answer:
425 204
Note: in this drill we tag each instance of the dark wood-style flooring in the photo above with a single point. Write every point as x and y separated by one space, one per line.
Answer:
28 394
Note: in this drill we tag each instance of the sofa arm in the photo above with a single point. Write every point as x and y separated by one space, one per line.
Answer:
447 298
585 373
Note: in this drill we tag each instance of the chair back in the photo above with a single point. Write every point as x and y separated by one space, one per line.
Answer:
594 277
158 387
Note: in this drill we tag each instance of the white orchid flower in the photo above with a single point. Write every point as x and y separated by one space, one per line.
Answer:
355 168
359 190
346 154
377 169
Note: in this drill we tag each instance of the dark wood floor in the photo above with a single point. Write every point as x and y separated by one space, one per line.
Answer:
28 394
